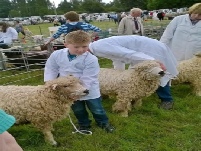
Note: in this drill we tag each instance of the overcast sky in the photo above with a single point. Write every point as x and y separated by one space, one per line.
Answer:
58 1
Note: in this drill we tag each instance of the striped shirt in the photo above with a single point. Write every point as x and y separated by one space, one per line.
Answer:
85 26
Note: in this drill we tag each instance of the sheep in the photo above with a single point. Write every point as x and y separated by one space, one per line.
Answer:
130 86
42 105
37 38
190 71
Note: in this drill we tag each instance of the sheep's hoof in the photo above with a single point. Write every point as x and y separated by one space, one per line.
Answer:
55 144
123 114
198 93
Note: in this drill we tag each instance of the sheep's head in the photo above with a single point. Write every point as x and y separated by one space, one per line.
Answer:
67 87
149 70
37 38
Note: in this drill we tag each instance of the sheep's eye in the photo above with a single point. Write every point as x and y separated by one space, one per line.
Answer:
65 86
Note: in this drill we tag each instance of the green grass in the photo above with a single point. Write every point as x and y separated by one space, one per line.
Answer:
146 129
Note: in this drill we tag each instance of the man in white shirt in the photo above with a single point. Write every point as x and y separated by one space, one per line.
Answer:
131 49
7 34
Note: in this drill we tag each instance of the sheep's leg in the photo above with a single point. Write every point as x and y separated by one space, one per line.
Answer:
122 106
49 137
197 87
46 129
136 103
198 92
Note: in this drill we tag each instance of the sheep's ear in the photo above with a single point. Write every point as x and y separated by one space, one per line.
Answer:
54 86
198 54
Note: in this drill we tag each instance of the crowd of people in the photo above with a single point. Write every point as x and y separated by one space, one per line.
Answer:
180 40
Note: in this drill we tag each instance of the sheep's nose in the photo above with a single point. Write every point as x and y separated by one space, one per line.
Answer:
86 91
161 73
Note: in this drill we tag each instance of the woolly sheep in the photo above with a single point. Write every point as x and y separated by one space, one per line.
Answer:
190 71
42 105
130 86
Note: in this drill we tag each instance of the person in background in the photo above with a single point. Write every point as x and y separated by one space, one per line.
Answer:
7 141
132 49
72 19
76 60
183 34
160 15
56 22
7 35
19 28
132 24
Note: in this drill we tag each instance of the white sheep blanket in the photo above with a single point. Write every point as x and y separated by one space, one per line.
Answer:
190 71
42 105
130 86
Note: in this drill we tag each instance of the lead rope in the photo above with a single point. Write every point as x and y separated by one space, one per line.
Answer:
84 132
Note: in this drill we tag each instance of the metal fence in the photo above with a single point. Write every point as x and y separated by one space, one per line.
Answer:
17 64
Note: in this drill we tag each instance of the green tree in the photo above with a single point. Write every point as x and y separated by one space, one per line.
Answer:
128 4
5 7
161 4
64 7
92 6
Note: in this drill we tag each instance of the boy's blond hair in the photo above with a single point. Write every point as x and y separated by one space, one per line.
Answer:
77 37
72 16
195 9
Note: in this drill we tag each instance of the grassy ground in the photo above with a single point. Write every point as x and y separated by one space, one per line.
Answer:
146 129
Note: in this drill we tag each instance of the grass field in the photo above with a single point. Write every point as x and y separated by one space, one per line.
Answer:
146 129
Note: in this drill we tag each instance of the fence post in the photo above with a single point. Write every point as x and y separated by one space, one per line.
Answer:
2 64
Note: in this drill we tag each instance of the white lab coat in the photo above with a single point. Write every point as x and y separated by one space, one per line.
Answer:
183 38
10 35
85 67
131 49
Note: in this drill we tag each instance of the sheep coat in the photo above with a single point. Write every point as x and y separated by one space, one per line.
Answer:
41 105
130 85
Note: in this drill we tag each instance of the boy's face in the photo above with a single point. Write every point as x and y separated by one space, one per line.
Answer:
77 49
195 16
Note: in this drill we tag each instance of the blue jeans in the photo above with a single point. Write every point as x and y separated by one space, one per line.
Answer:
164 93
96 108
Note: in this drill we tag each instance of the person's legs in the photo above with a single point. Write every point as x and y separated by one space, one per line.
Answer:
81 113
97 111
165 95
99 114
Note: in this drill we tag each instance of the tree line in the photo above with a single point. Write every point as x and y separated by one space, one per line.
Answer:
26 8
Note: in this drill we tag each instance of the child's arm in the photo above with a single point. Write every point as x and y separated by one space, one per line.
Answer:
51 68
90 73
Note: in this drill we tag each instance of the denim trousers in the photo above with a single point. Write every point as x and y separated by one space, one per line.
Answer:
95 107
164 93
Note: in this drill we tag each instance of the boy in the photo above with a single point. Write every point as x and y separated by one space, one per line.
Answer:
72 23
76 60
